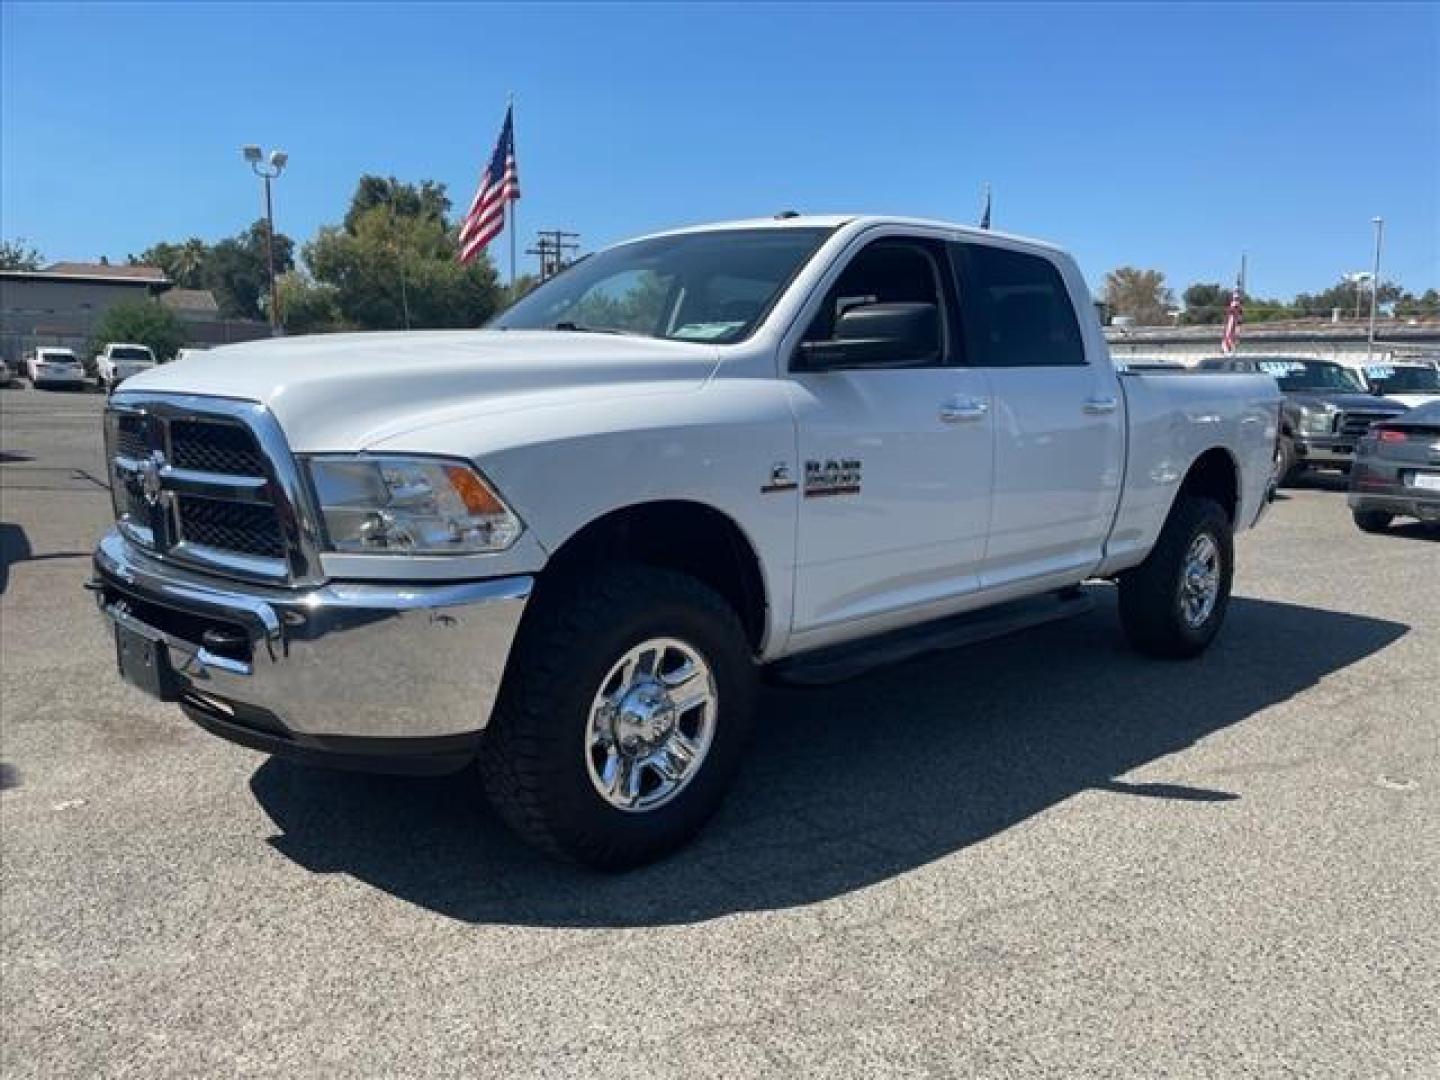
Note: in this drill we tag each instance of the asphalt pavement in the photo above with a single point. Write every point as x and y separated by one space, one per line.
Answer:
1039 856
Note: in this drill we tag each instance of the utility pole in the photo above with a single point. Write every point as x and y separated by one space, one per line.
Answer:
553 247
267 172
1374 288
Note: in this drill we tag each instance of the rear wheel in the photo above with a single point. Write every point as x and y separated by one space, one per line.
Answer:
1373 521
623 717
1173 604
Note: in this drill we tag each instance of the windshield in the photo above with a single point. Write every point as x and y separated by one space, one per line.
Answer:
707 286
1313 375
1404 380
130 352
56 356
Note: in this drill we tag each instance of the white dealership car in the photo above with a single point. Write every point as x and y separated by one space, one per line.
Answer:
566 545
1411 383
51 366
121 360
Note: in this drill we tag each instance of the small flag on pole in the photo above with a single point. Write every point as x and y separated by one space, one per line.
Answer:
1234 316
985 216
499 186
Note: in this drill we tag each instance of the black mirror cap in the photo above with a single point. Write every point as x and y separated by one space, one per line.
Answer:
876 335
909 324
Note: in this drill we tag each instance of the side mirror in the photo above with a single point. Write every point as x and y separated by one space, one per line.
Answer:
876 335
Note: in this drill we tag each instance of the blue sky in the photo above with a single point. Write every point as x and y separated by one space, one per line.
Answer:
1170 137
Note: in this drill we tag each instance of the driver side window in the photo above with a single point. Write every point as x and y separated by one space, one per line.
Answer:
888 277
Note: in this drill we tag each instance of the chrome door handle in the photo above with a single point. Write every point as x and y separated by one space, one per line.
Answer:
1098 406
959 409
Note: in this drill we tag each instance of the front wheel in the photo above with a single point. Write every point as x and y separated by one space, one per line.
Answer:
1172 604
623 717
1286 466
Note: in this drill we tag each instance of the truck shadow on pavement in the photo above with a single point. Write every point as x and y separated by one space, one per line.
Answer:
849 785
15 548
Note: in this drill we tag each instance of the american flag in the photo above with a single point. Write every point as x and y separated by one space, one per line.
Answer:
1234 316
499 185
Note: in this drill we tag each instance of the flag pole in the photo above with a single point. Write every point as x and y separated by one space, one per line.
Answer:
510 107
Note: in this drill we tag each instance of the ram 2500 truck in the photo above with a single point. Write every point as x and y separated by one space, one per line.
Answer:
564 547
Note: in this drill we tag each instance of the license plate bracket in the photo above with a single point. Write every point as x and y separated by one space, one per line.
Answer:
145 664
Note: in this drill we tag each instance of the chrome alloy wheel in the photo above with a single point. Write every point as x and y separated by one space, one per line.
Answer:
1200 580
651 724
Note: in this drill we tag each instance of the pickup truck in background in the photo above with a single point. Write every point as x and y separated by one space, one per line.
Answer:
119 361
566 546
1327 409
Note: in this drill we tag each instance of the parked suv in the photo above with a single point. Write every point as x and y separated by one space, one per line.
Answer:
1326 411
54 366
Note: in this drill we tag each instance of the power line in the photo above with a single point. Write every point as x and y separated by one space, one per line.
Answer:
555 248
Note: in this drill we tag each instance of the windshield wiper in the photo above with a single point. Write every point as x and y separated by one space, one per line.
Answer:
579 329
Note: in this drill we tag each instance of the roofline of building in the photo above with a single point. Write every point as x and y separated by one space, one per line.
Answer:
103 279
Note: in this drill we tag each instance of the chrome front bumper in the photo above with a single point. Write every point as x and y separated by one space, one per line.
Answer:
1325 449
351 661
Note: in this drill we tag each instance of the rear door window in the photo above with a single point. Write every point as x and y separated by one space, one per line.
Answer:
1017 311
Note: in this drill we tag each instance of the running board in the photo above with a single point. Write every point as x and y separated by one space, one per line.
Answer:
837 663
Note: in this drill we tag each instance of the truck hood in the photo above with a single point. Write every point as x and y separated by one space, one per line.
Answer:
341 392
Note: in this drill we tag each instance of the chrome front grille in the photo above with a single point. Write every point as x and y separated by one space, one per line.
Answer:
246 528
228 449
210 483
1354 425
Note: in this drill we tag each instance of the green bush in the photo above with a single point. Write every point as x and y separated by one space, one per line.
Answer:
143 322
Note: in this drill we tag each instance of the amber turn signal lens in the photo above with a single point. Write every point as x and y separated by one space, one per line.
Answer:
478 498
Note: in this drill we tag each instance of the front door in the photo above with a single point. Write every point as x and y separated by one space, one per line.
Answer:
895 461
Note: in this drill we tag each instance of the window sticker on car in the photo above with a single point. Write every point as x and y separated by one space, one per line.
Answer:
705 331
1280 368
1379 371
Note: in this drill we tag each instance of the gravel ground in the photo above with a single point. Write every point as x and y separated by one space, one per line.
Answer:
1043 855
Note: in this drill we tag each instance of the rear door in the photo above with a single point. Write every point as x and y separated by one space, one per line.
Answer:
894 461
1059 419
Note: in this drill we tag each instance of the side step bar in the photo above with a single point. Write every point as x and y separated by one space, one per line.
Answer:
835 664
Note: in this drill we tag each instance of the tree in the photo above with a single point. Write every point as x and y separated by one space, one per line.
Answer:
237 271
1139 294
1348 297
1424 306
393 264
144 322
308 307
424 200
16 255
184 263
1205 303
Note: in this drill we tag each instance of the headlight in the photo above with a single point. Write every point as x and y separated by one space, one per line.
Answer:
1316 420
414 505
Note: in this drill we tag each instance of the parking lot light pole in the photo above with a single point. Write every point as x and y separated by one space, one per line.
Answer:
1374 289
267 170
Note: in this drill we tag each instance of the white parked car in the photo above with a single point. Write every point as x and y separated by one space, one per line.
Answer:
119 361
566 545
1410 383
50 366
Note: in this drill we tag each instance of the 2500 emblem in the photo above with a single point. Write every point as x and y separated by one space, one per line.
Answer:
832 477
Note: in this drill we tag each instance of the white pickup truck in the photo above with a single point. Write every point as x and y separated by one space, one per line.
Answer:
119 361
566 545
